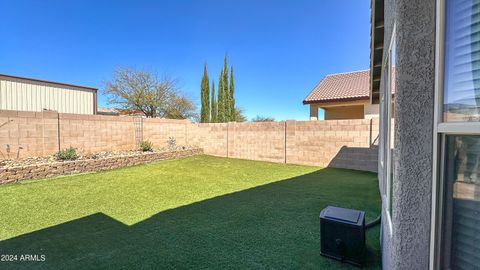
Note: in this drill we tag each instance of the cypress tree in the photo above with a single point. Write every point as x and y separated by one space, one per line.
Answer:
232 97
227 98
205 97
221 100
214 108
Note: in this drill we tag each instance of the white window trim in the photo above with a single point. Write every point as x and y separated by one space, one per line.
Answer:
387 115
437 189
440 130
463 128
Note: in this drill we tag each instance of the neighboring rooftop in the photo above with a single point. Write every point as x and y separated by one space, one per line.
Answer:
341 87
348 86
119 112
46 82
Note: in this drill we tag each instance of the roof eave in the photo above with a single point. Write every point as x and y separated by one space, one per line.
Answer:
376 48
325 101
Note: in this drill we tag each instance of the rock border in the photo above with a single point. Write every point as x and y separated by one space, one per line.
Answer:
16 174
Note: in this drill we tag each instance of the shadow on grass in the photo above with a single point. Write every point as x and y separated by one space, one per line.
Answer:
275 226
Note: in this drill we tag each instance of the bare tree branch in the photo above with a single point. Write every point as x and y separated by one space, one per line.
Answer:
142 90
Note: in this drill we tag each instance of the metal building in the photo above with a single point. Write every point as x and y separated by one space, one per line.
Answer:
27 94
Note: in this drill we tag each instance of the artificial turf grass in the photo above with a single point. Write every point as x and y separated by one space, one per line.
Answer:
131 194
198 212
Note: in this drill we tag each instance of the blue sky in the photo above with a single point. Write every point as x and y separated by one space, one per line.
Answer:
279 49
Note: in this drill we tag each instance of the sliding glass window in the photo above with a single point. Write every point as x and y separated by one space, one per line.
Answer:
457 179
461 99
462 203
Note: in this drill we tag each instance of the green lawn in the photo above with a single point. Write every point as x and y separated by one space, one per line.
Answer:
198 212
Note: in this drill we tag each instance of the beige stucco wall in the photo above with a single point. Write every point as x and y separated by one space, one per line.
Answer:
313 112
344 112
371 110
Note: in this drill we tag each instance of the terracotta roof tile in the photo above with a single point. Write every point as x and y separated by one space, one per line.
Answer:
353 85
341 86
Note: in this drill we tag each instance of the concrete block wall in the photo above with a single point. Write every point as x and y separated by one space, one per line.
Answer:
96 133
24 134
257 141
350 144
158 131
212 138
29 134
336 143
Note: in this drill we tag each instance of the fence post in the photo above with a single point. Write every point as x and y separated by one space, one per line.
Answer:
58 131
285 142
370 137
186 134
227 137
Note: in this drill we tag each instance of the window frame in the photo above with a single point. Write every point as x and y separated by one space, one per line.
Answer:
440 130
386 111
391 129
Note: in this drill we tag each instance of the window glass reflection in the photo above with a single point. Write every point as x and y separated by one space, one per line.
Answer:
462 203
462 61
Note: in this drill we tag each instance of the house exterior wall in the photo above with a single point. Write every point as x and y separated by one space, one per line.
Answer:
341 110
344 112
371 111
314 112
34 96
405 241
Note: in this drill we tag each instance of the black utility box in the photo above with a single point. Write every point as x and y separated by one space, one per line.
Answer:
342 234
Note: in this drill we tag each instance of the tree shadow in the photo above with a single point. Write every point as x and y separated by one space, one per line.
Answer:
274 226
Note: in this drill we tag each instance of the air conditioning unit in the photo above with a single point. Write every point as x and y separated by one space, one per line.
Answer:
342 234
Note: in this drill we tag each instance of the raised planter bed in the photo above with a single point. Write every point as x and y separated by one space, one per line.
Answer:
9 174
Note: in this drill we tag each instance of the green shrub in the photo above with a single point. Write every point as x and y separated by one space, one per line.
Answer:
146 146
67 154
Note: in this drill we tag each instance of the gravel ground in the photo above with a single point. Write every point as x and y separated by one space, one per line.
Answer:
6 163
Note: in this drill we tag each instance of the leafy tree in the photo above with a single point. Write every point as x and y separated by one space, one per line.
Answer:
205 97
221 100
224 108
238 115
180 107
227 97
137 89
259 118
214 109
232 97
